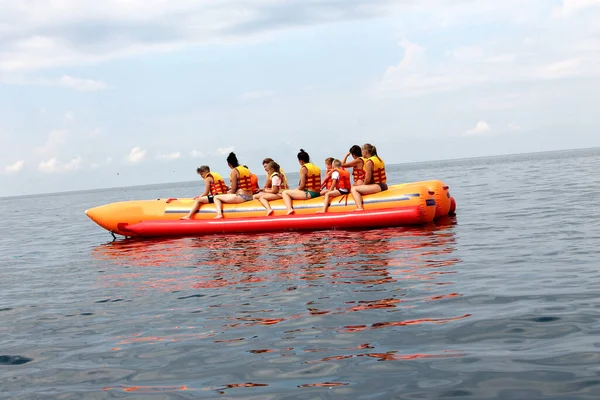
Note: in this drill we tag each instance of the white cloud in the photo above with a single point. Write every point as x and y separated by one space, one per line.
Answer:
57 138
170 156
69 117
82 84
136 155
95 133
52 165
16 167
257 95
49 165
482 128
47 34
514 127
197 154
570 7
225 150
561 69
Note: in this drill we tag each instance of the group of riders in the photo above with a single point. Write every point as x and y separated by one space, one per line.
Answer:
368 173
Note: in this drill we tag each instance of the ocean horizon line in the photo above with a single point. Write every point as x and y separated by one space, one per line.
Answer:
75 191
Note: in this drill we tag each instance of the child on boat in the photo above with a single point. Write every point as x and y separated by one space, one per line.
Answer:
340 184
327 180
278 183
214 185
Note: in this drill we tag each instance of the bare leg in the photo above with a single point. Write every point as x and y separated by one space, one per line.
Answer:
358 191
266 204
218 207
228 199
325 204
199 201
357 197
288 202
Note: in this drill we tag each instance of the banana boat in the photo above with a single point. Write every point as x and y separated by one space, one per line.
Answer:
414 203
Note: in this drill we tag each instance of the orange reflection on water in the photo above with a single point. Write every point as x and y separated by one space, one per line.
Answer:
391 356
324 384
378 325
150 389
356 258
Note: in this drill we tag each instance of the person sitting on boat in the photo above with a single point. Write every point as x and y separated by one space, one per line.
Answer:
278 183
340 184
241 186
326 183
310 182
375 179
253 181
357 164
265 162
214 185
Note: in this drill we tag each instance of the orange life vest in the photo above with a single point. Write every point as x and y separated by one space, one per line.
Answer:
328 181
218 184
245 180
254 183
378 175
344 179
359 173
313 177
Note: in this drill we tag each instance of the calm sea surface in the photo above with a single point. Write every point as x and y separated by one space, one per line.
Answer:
502 302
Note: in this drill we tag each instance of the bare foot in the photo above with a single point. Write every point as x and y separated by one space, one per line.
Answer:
359 209
290 212
186 217
269 212
218 217
320 212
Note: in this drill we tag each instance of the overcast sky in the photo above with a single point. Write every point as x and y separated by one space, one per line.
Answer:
125 92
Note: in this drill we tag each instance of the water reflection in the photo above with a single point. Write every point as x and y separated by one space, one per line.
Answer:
291 299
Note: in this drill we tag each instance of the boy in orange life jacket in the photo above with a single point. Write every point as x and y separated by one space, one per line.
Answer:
328 171
253 181
340 184
214 185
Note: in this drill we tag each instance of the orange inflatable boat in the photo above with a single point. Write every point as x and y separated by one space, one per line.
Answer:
405 204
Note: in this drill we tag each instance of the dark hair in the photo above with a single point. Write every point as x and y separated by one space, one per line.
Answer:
203 168
232 159
329 160
267 160
303 156
356 151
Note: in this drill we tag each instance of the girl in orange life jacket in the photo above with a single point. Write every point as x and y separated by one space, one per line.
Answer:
340 184
214 185
357 164
326 184
375 179
277 183
310 182
241 186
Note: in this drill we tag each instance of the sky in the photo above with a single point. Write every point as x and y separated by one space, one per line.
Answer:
131 92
